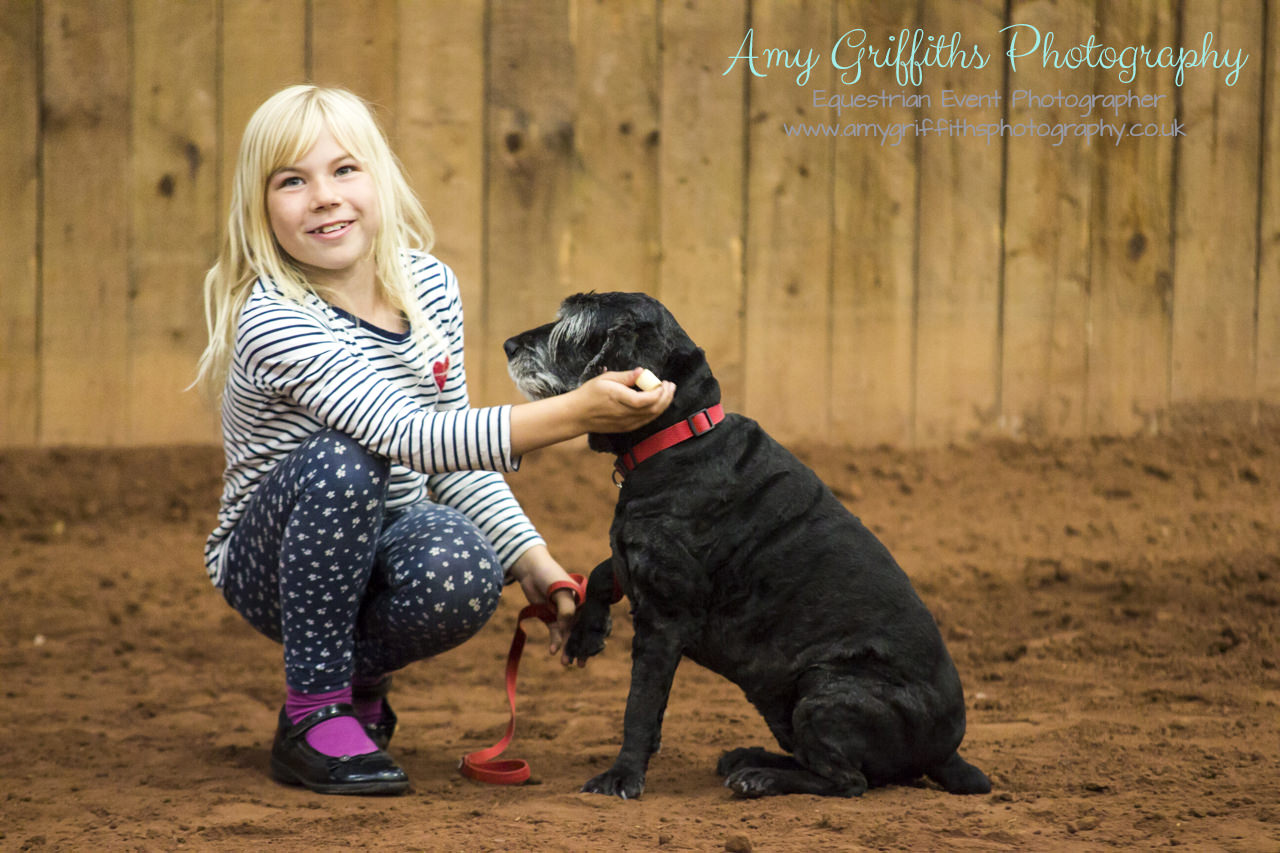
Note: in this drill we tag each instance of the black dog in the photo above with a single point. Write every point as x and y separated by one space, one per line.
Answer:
735 554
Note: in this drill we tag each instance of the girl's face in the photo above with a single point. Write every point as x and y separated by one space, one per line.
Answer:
324 213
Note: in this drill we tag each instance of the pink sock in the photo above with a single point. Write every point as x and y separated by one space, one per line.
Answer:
336 736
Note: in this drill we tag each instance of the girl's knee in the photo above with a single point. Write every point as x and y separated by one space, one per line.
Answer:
455 572
338 455
440 568
346 449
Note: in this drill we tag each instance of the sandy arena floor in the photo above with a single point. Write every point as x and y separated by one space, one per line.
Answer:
1112 607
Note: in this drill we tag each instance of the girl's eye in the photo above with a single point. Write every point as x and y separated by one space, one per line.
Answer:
288 181
345 170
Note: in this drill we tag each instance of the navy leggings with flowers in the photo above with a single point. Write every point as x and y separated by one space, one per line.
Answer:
352 590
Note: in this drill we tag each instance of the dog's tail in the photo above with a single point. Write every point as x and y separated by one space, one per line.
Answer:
958 776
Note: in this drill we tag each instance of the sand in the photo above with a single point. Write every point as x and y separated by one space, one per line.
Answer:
1112 606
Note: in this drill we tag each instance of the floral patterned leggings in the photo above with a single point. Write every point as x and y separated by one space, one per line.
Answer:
350 589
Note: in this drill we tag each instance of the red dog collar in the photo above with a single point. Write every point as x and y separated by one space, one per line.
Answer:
698 424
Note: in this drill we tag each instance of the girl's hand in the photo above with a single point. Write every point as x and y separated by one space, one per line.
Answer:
536 570
609 403
606 403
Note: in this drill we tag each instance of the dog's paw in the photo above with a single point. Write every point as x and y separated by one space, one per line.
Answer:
762 781
752 782
591 626
617 782
736 759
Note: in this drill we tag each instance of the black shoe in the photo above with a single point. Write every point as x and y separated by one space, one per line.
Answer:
380 732
295 762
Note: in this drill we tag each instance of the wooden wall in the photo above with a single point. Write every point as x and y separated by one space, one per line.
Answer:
848 291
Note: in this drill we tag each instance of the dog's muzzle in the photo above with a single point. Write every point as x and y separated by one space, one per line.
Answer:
527 365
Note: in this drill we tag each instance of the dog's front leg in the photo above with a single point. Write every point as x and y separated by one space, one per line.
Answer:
592 622
655 655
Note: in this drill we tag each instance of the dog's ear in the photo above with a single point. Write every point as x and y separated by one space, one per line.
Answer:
620 350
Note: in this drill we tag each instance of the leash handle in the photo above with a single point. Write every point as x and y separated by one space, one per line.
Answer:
483 765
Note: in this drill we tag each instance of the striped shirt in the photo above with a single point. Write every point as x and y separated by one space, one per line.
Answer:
300 368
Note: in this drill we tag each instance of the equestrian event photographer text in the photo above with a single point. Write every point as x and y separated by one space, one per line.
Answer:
911 51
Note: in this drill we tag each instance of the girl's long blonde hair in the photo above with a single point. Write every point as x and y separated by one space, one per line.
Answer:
280 132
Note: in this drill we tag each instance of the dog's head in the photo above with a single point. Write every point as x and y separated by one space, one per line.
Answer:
595 332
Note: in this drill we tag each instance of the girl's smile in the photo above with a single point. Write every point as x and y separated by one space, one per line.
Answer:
332 230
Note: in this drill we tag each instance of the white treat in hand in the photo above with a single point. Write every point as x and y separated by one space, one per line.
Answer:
647 381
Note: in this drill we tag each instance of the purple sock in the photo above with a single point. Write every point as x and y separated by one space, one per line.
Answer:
337 736
368 710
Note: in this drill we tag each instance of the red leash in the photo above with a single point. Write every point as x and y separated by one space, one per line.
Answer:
483 765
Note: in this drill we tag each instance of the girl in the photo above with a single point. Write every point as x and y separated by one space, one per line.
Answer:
364 521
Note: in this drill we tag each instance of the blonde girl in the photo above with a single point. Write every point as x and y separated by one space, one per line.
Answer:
364 521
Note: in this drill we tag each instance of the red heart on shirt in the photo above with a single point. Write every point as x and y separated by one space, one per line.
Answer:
440 370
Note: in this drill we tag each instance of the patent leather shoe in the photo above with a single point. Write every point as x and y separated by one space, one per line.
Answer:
296 762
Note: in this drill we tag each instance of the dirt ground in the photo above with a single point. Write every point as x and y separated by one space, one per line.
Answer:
1112 606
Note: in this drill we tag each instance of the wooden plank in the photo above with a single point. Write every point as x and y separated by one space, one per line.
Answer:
788 334
19 295
1216 220
254 68
1048 203
353 45
84 291
175 216
702 167
440 140
958 298
614 213
1131 244
531 150
874 268
1267 386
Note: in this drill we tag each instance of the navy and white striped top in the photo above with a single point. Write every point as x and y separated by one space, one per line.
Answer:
299 368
